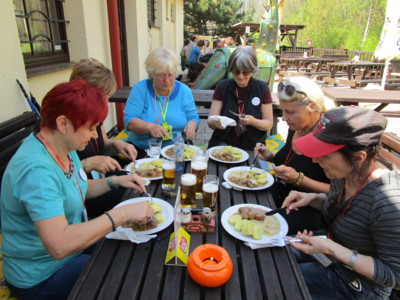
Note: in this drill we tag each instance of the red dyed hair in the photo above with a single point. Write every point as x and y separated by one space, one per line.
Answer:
76 100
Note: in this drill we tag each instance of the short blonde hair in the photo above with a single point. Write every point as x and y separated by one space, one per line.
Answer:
96 74
161 60
311 89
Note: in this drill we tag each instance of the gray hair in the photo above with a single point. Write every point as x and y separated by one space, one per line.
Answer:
243 59
161 60
311 89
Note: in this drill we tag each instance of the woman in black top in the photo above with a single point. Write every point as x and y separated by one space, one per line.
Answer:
302 103
243 95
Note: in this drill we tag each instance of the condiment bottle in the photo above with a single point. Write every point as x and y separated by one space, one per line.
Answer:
186 215
206 215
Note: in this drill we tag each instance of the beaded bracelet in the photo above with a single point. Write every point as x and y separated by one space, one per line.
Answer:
299 180
111 220
110 184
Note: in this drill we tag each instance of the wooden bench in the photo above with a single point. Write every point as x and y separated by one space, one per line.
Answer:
391 148
12 134
336 56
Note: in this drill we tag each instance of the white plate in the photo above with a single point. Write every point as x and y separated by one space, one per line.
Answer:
247 168
167 212
265 239
164 150
137 165
245 155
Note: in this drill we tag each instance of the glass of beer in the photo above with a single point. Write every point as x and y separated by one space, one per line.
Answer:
199 168
210 191
168 172
188 190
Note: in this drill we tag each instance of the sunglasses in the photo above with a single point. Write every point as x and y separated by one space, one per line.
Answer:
164 76
289 89
245 73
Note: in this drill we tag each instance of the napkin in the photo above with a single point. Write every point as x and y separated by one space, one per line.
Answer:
127 234
225 121
254 246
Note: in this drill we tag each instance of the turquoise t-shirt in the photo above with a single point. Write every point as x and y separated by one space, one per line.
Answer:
35 188
143 105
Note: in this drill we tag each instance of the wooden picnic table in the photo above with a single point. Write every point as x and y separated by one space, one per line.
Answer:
355 96
123 270
301 63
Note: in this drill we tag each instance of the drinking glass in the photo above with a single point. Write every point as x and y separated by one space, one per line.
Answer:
198 167
188 190
210 191
168 172
154 148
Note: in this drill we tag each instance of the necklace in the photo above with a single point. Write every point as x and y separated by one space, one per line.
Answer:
350 200
66 169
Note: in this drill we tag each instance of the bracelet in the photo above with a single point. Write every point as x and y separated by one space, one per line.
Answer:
299 180
350 265
84 163
113 143
111 220
110 184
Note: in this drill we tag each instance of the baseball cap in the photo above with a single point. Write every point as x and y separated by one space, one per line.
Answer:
343 126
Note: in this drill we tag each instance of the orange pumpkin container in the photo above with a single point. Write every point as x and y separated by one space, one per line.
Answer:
210 265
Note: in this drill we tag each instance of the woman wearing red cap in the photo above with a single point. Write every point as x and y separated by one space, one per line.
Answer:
362 209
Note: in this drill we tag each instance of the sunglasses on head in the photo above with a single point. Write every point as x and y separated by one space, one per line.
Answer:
289 89
237 72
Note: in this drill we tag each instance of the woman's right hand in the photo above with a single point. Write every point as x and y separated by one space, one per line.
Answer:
263 152
158 131
296 199
101 163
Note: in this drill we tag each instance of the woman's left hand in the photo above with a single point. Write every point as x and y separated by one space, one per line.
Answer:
247 120
130 181
190 131
126 149
286 174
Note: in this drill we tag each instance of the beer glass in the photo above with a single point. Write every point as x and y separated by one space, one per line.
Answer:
168 172
199 168
210 191
188 190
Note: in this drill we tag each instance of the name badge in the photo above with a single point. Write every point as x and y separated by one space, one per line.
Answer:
256 101
83 175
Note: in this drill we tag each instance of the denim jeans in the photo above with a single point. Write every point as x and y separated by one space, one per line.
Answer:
336 281
57 286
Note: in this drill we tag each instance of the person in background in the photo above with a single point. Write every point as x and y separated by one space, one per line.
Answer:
95 155
47 238
302 102
195 66
243 95
193 42
362 209
160 107
185 54
229 42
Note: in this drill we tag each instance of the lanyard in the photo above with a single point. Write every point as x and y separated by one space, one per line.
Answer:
58 159
164 108
351 200
289 156
240 103
95 149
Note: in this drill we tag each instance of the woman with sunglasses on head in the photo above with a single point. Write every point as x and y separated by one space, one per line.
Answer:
46 232
362 209
245 96
302 103
160 107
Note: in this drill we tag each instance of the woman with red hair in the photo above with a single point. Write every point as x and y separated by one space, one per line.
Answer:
46 233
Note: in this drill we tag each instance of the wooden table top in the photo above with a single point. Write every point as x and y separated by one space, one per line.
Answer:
359 64
362 95
308 59
120 269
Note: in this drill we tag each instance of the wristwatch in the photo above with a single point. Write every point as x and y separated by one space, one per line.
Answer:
350 265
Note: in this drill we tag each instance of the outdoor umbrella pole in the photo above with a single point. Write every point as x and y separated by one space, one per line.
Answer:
33 107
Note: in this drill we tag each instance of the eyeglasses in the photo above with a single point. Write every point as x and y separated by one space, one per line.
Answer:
289 89
245 73
163 76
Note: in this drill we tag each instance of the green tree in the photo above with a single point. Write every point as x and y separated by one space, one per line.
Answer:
211 17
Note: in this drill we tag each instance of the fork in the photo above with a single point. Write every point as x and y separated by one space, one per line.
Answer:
149 195
253 161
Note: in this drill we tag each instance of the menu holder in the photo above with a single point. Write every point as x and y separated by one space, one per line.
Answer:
179 241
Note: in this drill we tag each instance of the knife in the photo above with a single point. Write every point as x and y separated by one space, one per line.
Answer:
274 211
233 113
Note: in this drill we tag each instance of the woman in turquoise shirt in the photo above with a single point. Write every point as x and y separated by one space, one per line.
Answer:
44 223
160 106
